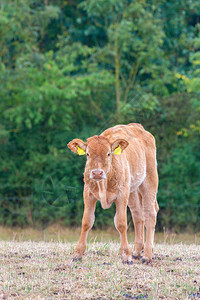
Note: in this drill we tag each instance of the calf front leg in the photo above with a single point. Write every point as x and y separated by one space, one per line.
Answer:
87 223
120 221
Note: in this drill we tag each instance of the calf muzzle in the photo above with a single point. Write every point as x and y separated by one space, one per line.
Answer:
97 174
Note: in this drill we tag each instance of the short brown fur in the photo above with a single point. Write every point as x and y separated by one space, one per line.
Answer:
131 179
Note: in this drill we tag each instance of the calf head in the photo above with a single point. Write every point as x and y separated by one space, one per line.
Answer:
99 152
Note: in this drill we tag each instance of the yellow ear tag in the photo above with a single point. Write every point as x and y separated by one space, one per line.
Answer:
80 151
118 150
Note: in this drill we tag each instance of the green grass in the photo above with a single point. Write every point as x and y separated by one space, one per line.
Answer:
35 270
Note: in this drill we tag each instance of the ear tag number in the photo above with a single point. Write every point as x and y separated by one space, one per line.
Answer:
118 150
80 151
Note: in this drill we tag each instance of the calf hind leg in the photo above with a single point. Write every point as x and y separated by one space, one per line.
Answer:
150 209
135 205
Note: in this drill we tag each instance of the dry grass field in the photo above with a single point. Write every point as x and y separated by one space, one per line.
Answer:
45 270
58 233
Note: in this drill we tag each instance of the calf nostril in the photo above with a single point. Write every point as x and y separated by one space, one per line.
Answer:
97 172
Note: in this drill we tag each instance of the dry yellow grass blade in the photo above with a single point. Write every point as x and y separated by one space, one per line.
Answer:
58 233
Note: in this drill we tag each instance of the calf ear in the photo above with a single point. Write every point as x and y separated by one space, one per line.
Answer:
118 146
77 146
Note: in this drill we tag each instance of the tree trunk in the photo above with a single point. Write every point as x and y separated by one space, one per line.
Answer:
117 69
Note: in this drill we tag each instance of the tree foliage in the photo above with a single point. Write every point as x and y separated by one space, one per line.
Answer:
73 68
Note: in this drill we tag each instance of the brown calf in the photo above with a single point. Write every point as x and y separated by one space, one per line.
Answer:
121 167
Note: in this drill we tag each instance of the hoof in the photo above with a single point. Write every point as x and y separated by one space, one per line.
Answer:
146 260
127 259
128 262
77 259
136 255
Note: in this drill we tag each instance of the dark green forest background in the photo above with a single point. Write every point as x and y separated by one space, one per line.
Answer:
74 68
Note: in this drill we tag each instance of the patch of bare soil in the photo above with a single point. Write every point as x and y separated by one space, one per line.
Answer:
35 270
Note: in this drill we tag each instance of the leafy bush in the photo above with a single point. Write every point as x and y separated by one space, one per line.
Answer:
73 69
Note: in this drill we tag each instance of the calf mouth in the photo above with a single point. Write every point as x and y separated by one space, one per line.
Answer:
97 179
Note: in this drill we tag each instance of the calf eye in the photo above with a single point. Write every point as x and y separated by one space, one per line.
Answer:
88 154
108 154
